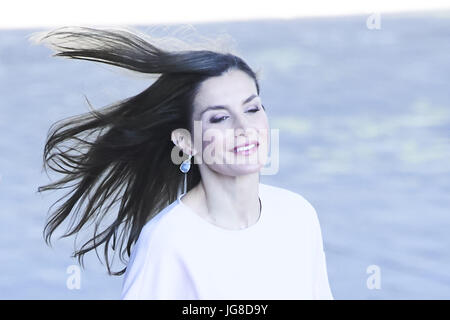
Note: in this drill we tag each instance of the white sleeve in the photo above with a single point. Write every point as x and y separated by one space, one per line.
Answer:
155 272
322 289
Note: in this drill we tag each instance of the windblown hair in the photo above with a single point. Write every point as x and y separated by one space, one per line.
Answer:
121 153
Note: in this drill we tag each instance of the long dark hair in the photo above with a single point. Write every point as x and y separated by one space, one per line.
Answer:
122 153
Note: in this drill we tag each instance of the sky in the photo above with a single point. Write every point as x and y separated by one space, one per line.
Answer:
47 13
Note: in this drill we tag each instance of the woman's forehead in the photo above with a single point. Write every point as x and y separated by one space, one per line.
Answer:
229 89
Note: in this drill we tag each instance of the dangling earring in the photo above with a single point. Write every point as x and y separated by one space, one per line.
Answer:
184 167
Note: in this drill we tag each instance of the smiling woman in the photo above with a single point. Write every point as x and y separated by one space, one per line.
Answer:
227 236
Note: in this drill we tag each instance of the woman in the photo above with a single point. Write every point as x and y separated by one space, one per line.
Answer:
202 228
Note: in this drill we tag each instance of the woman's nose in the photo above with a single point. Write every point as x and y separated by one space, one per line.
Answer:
241 123
243 128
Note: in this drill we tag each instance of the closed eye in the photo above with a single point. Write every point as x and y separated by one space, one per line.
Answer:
215 120
253 110
220 119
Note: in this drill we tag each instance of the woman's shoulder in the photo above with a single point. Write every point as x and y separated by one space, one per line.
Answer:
285 200
281 194
153 253
160 227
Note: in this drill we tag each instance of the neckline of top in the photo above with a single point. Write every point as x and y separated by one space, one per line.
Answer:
211 225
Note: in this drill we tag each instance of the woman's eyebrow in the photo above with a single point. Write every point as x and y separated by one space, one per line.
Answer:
225 106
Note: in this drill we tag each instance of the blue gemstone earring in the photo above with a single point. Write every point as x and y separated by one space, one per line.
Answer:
184 167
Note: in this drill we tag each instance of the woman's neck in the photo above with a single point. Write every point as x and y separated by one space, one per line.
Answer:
231 203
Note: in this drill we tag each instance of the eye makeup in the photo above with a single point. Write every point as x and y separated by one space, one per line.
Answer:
220 119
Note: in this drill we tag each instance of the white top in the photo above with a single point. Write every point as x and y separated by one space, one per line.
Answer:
180 255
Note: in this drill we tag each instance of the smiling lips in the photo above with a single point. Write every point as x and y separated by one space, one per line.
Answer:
247 148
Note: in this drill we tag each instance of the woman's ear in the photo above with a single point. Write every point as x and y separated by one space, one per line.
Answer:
182 139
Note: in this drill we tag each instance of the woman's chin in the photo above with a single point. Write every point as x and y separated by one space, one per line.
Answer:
243 169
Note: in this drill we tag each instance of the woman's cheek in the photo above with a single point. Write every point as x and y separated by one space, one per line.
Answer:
213 144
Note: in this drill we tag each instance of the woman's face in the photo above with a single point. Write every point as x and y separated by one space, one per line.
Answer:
228 113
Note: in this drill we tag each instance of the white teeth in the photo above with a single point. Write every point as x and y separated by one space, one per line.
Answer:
245 148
